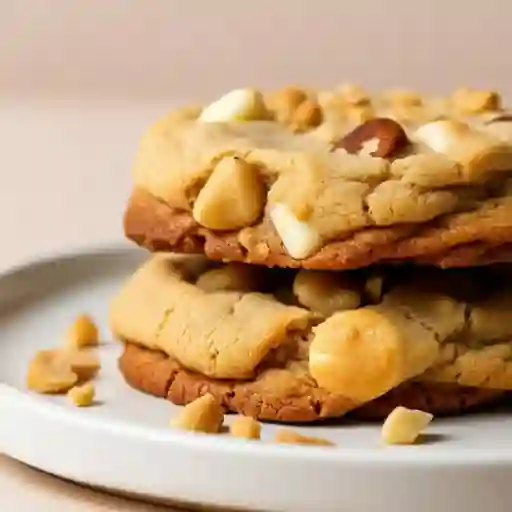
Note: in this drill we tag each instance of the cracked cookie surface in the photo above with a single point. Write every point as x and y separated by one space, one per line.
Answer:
309 341
253 189
280 396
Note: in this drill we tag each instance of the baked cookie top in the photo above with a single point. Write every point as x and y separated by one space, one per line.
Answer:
309 168
357 334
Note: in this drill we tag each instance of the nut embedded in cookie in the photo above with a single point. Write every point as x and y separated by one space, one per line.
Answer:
379 137
326 293
232 198
473 101
233 276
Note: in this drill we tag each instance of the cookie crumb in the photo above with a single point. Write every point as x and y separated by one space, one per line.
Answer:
82 396
49 374
83 333
56 371
204 414
403 426
288 436
246 427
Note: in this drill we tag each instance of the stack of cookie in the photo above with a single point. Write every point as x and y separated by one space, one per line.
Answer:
320 253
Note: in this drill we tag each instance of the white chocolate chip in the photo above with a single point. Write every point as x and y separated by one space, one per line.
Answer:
477 152
299 238
403 426
237 105
441 135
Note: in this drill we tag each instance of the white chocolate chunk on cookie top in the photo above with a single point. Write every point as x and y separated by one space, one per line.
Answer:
478 153
299 238
237 105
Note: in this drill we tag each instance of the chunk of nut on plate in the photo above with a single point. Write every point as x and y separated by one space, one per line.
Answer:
56 371
289 436
49 373
245 427
404 426
83 333
82 396
205 414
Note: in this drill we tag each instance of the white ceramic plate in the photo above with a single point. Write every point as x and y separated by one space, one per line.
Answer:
124 443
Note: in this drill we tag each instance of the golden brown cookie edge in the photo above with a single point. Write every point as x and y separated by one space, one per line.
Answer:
155 226
157 374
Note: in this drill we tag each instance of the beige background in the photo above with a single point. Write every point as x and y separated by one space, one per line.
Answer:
193 48
80 80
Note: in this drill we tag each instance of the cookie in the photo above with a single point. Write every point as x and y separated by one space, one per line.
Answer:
262 183
476 238
340 333
285 395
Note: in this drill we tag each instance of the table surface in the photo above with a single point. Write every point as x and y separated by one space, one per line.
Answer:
72 157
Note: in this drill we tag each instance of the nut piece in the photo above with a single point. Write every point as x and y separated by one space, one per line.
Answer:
403 98
390 137
232 198
326 292
82 396
82 362
307 115
473 101
358 114
353 94
204 414
403 426
233 276
237 105
83 333
288 436
285 102
298 237
293 107
48 373
246 427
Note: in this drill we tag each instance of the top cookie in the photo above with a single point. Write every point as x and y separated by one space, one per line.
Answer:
328 180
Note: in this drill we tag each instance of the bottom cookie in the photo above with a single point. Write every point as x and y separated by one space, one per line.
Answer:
287 394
